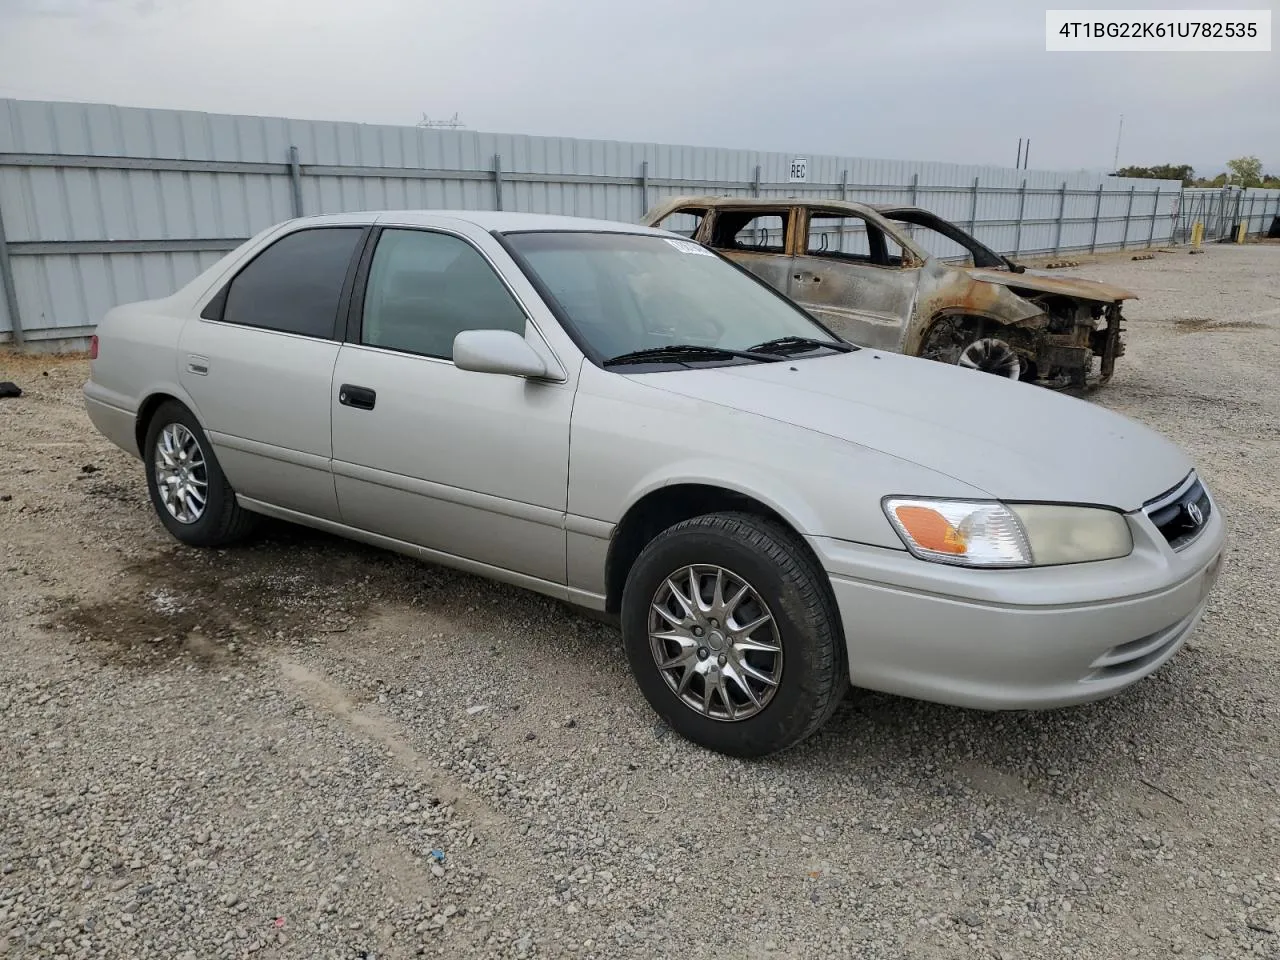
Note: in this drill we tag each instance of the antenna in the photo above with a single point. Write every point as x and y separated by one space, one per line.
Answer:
453 123
1115 163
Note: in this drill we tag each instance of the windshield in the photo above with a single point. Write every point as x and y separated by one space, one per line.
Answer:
625 292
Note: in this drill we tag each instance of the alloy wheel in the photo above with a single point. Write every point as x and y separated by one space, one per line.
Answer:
715 642
182 477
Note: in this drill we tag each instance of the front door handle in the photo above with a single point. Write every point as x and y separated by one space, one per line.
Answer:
362 398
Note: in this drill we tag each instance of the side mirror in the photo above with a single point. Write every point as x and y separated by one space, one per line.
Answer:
497 351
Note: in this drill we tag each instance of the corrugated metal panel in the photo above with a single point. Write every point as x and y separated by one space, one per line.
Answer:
67 199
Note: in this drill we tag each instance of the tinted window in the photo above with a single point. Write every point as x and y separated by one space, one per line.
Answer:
426 288
295 284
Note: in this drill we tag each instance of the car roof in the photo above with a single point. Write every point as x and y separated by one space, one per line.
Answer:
885 209
501 220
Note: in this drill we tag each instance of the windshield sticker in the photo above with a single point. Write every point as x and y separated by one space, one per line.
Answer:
688 246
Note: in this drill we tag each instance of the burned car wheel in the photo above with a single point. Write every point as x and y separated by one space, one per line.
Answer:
991 356
960 341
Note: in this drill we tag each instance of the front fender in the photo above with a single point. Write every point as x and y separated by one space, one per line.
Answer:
947 291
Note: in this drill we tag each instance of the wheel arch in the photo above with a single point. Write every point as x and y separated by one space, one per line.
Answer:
968 314
664 506
151 402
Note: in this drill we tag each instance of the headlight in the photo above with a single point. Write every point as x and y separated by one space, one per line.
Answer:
985 533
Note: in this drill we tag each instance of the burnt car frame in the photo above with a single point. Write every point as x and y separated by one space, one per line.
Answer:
867 272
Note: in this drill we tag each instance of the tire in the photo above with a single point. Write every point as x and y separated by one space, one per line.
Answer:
964 343
221 520
810 674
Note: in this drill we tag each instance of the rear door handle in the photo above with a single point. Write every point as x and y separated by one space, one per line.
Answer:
362 398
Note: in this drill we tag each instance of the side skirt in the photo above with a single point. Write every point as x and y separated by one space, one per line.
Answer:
559 591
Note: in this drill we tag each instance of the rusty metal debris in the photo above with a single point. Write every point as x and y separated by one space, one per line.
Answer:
866 271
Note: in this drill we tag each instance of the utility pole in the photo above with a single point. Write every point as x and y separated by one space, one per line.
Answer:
1018 162
1026 157
1115 163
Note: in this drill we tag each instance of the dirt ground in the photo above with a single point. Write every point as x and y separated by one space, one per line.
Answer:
304 747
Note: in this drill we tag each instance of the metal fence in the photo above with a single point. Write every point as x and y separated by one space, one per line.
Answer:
1223 210
101 205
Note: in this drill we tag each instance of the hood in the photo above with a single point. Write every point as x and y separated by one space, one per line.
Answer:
1013 440
1042 283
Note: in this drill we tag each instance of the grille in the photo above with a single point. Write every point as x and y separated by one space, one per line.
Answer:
1181 513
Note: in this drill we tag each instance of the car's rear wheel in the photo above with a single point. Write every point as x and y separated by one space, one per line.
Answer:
188 489
732 634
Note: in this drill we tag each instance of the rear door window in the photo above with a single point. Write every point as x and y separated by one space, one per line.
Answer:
295 285
763 232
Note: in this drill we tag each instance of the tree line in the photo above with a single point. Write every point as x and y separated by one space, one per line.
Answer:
1241 172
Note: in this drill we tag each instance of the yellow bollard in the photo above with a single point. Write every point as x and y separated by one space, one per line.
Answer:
1240 233
1197 234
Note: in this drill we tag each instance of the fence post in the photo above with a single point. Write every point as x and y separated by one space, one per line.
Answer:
295 180
644 187
1253 202
497 181
10 291
1128 212
1155 209
1022 206
973 208
1097 214
1062 210
755 183
844 195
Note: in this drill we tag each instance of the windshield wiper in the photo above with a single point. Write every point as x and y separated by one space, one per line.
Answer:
785 345
688 351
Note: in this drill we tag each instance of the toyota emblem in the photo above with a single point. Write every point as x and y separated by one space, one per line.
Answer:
1194 512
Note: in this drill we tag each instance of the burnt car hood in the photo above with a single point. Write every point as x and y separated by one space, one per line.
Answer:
1015 441
1064 286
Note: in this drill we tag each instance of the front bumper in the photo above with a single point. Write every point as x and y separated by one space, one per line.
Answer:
1019 639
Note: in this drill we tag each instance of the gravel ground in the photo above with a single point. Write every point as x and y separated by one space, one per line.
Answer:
306 748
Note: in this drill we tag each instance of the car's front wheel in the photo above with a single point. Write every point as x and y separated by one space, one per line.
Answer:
188 489
732 634
965 343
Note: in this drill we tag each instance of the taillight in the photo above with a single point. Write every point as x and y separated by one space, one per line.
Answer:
93 347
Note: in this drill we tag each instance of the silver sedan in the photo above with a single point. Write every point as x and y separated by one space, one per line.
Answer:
623 419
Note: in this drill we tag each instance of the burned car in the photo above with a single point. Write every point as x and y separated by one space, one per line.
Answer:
903 279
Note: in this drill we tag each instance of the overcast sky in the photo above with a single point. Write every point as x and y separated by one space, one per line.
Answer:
925 80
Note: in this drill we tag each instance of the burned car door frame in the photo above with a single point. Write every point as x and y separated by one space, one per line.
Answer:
722 226
851 280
